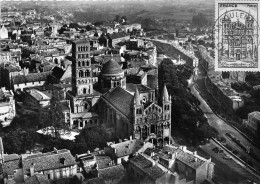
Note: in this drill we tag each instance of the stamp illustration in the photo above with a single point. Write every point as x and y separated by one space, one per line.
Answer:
236 35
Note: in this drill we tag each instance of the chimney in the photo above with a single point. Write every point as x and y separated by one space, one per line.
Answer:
55 150
184 148
32 169
174 155
195 153
152 154
153 163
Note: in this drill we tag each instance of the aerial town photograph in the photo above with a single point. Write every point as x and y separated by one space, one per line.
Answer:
129 92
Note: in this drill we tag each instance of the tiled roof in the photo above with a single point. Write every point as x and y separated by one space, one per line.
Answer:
153 172
37 179
185 157
32 77
112 173
103 161
10 166
38 95
127 147
118 35
10 67
47 161
255 114
94 181
120 99
111 67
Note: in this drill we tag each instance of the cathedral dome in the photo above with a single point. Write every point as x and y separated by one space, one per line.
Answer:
111 67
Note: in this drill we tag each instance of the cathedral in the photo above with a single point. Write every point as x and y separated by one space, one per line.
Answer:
123 109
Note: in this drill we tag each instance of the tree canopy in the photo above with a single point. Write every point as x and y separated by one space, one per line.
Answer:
200 20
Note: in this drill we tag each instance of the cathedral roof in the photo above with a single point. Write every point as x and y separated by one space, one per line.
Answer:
120 99
111 67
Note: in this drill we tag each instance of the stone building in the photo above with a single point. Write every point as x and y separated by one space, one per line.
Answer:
7 105
253 122
123 109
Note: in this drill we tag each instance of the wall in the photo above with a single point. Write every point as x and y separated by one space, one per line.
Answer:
27 85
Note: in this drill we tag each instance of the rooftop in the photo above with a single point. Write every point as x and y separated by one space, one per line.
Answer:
120 99
111 67
152 171
50 160
127 147
32 77
255 114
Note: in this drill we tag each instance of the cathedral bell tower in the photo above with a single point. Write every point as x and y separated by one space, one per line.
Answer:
137 112
166 107
82 83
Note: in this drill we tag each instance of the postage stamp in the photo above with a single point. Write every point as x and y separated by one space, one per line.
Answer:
236 35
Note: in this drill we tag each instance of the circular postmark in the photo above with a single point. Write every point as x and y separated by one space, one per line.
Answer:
236 38
235 27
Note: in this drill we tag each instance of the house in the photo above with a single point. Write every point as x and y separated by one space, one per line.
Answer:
7 106
35 98
253 123
7 73
171 164
54 165
120 152
30 80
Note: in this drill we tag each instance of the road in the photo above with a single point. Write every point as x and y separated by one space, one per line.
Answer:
222 126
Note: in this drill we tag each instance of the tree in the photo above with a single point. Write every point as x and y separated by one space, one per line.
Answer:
91 138
117 18
55 118
200 20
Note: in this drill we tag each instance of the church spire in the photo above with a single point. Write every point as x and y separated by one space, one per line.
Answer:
165 97
137 97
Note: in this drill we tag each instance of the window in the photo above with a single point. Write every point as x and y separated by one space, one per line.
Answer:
79 64
79 56
84 91
87 63
83 63
90 122
78 48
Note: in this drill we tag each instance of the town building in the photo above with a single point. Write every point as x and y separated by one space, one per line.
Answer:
171 164
7 105
54 165
253 123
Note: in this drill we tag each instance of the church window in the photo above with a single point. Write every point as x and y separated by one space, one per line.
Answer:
87 73
80 73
